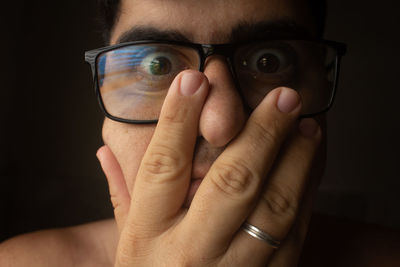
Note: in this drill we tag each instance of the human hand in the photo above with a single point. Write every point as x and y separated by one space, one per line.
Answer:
256 179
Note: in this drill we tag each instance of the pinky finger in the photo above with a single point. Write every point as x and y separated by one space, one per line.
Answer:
290 251
119 194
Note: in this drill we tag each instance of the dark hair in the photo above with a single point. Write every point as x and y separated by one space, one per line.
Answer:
109 13
318 12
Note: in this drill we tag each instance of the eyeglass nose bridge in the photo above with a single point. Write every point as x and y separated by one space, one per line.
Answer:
227 51
224 50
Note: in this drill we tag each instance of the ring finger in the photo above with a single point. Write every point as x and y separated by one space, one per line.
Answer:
277 208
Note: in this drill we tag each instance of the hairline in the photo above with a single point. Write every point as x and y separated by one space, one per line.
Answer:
317 13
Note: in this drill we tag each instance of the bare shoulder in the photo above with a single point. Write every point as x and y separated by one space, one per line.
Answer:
339 242
90 244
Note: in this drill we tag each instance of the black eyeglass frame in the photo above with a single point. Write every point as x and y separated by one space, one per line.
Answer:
204 51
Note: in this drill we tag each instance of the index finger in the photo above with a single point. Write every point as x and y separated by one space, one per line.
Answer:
164 174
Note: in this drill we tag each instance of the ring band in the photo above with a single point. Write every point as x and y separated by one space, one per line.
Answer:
261 235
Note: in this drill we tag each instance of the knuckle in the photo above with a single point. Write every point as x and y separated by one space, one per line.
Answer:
281 201
233 178
162 160
176 116
266 133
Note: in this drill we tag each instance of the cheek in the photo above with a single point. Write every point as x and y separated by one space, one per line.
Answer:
128 142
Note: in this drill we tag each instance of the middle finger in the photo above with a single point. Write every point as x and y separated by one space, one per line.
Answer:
227 194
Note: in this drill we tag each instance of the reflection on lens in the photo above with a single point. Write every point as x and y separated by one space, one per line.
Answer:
134 79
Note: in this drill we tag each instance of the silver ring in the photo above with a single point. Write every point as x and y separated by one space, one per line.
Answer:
261 235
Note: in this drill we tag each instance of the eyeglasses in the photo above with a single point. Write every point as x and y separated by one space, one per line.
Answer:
132 79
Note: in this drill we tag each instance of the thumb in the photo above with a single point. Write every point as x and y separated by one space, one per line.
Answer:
119 194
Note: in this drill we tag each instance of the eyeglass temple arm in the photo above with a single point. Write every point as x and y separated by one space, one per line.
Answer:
90 58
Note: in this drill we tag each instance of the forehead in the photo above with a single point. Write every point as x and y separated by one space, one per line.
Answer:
207 21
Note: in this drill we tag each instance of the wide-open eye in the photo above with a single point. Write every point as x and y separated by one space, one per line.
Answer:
269 62
260 67
268 59
159 63
162 63
134 79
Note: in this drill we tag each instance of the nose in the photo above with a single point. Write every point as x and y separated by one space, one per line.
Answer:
223 114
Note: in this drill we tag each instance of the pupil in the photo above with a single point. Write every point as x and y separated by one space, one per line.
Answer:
160 66
268 63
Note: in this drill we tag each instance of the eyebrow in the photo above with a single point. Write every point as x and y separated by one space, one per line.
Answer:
282 29
139 33
242 32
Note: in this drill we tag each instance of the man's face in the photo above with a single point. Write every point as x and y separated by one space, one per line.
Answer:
206 21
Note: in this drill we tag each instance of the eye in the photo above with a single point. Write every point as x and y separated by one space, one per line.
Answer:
161 63
160 66
268 60
268 63
157 64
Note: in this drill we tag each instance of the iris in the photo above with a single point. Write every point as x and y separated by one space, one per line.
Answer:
268 63
160 66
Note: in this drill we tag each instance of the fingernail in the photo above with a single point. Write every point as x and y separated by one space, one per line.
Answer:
308 127
288 100
190 83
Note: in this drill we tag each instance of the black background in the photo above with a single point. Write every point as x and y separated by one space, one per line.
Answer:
51 124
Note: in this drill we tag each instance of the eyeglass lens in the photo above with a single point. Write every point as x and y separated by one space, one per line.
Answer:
133 80
305 66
